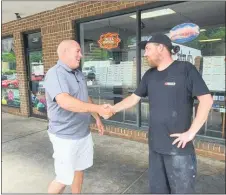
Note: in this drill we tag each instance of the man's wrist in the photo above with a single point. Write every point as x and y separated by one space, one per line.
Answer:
192 132
93 108
115 110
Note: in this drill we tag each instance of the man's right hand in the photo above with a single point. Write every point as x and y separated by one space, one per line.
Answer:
123 105
106 111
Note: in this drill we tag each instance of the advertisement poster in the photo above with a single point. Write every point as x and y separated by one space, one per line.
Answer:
214 72
10 97
9 81
187 54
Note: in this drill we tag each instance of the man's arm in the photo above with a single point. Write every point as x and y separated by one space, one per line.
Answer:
94 114
72 104
128 102
197 88
99 123
133 99
204 106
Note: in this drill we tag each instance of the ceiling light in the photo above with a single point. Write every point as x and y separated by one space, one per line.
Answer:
156 13
209 40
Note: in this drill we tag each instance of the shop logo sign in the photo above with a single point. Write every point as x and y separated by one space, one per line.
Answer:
185 32
35 40
109 40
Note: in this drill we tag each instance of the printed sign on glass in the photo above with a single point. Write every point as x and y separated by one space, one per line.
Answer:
185 32
109 40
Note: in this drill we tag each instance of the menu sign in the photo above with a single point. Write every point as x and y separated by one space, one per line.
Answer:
109 40
214 72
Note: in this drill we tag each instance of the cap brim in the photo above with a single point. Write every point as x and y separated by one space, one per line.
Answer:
143 44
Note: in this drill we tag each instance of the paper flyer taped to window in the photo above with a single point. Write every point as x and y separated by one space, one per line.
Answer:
38 70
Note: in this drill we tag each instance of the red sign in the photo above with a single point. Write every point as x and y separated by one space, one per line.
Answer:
109 40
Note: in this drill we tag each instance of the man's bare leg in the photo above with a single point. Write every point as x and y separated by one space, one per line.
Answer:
76 186
56 187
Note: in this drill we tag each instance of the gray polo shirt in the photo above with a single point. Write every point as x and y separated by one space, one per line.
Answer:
65 124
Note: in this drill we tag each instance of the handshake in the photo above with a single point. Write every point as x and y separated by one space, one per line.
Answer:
106 111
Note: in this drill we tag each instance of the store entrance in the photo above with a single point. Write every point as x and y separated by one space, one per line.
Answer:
35 72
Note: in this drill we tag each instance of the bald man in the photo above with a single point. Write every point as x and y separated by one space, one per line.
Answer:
68 109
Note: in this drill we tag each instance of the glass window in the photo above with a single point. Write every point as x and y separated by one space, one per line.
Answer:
206 52
109 50
37 80
10 83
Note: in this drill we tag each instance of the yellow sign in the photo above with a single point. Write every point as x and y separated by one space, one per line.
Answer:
109 40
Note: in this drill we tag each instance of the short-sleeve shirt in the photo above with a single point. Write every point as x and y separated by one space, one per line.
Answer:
171 95
63 123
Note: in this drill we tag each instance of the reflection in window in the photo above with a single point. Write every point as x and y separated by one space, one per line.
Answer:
109 65
37 81
10 84
206 52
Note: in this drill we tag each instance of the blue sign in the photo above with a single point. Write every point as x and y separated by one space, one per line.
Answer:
185 32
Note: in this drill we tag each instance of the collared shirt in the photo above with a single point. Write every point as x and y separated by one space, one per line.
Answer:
63 123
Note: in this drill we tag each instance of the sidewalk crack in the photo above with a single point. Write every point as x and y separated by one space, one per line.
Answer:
23 136
134 182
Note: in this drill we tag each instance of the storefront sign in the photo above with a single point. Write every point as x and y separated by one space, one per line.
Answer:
109 40
185 32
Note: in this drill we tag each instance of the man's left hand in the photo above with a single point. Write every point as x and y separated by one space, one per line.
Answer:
182 138
100 126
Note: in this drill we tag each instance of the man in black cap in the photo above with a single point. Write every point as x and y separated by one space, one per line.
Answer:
171 87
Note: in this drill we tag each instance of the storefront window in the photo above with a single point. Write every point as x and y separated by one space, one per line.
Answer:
10 83
206 52
109 63
109 49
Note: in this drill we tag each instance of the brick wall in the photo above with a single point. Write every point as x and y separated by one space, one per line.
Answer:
56 25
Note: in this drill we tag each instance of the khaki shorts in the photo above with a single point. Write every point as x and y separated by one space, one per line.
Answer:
70 156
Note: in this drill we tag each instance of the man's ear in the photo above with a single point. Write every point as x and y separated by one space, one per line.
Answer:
160 47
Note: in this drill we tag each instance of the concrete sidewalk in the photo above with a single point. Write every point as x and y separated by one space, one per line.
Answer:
120 166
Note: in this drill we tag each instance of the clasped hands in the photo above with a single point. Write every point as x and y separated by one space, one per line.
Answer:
106 111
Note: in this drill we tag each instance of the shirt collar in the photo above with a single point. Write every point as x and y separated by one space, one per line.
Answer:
60 63
76 71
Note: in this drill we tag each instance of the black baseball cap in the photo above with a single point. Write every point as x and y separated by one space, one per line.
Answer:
157 38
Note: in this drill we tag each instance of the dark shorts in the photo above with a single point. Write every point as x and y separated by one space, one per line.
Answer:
172 173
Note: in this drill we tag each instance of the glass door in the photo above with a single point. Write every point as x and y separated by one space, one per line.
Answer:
36 80
35 73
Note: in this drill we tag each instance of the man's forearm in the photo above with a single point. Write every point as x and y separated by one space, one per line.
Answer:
201 116
126 103
94 114
72 104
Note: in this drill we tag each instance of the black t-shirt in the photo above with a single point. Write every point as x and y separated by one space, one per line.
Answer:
171 95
